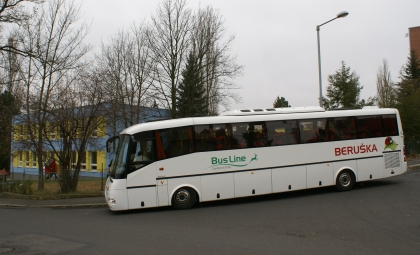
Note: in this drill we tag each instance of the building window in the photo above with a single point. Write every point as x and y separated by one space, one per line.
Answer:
44 157
27 158
73 159
28 133
52 133
35 134
20 158
83 161
93 160
95 127
81 128
33 159
21 132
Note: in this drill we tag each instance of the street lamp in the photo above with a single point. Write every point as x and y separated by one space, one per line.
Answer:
340 15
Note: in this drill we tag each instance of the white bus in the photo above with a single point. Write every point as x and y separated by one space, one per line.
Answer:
252 152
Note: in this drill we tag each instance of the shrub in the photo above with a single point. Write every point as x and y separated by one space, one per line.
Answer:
20 187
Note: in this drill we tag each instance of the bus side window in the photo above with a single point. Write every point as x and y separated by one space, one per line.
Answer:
204 140
281 132
341 128
160 152
238 130
368 126
321 133
307 130
174 142
278 138
389 125
220 139
361 132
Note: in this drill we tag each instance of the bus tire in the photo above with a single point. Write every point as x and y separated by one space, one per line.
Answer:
345 180
184 198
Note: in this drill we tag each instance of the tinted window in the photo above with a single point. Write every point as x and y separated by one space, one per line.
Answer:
212 137
282 132
142 148
312 131
248 135
368 126
203 138
174 142
389 127
117 170
142 151
342 128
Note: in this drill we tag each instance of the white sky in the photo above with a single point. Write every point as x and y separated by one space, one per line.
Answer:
276 40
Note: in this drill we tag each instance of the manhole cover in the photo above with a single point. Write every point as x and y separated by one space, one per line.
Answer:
6 250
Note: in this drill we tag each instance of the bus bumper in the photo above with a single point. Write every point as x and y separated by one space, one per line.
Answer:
116 199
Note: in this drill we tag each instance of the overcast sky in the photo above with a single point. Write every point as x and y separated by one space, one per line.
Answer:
277 44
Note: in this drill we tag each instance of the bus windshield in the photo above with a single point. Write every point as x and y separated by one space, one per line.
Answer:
117 169
133 153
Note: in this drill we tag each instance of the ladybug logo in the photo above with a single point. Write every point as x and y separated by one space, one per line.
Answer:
390 144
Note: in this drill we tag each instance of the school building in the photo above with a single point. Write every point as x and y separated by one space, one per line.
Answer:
95 161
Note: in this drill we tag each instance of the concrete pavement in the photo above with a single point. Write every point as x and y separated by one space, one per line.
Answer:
57 203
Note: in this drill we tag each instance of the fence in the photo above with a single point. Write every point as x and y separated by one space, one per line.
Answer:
32 175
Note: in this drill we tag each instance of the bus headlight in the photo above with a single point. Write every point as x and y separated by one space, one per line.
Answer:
112 200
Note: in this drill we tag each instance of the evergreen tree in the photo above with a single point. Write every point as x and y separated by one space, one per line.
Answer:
190 101
280 102
408 98
410 77
411 71
344 89
8 108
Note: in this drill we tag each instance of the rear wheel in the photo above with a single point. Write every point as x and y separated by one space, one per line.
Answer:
184 198
345 180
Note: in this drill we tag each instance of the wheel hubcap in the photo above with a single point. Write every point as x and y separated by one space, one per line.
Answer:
345 179
182 197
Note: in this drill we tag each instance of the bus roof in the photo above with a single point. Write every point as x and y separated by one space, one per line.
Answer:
237 116
285 110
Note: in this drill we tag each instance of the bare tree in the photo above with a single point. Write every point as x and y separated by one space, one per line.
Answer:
77 116
169 42
175 32
55 38
15 12
385 87
12 12
127 69
218 66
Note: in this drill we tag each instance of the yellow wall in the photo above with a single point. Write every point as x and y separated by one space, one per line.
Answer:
20 134
15 160
100 158
100 161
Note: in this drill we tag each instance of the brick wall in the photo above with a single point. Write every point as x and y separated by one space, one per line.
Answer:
414 33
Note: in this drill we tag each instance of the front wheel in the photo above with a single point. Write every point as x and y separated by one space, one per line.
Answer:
183 198
345 180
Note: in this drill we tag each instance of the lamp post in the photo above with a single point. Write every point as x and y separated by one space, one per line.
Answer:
340 15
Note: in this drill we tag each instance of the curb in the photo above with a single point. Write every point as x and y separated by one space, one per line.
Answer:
54 206
414 167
